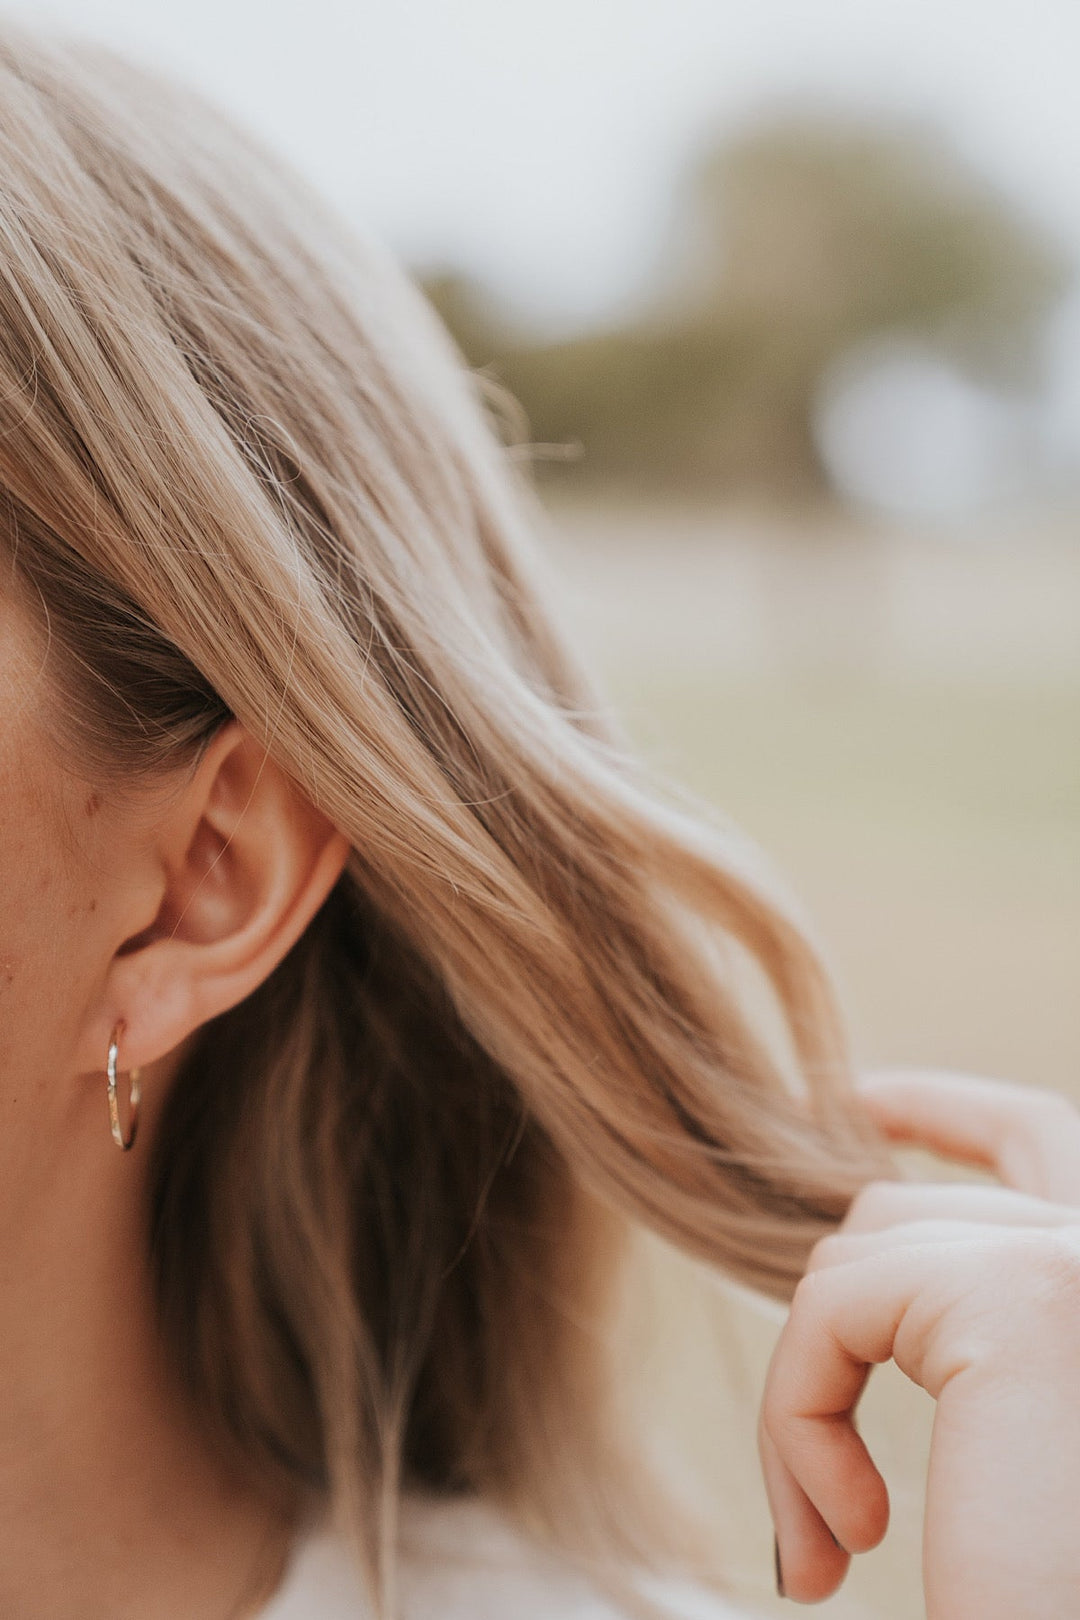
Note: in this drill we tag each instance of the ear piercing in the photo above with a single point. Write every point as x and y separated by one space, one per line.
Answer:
134 1092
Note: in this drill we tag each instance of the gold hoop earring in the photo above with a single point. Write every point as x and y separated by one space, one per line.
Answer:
123 1142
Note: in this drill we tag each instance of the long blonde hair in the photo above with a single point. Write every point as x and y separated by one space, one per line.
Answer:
245 474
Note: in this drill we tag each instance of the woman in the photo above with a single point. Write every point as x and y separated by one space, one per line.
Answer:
357 995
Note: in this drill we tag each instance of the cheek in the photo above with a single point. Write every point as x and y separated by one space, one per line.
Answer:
50 829
45 916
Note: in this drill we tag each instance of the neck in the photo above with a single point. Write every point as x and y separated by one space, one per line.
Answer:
111 1503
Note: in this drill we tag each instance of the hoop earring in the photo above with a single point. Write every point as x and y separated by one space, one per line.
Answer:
123 1142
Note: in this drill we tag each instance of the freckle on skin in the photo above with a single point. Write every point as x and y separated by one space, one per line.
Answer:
93 804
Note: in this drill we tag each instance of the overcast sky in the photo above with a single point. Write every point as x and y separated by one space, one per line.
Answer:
536 141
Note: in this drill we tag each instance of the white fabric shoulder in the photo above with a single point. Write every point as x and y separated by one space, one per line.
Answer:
461 1561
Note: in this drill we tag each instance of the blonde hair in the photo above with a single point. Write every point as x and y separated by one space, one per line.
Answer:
246 475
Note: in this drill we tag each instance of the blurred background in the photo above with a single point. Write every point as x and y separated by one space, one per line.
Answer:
789 297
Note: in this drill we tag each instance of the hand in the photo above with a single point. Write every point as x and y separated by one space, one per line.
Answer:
974 1291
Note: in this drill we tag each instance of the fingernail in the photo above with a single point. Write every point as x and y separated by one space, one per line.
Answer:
779 1571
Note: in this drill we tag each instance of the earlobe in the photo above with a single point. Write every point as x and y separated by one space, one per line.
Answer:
243 862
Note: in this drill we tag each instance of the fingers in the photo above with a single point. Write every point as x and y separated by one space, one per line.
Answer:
882 1204
810 1548
881 1286
842 1247
872 1297
1029 1138
894 1266
821 1481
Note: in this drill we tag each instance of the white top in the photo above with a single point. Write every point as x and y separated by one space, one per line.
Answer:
460 1561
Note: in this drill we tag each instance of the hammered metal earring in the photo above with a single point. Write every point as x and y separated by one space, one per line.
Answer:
123 1142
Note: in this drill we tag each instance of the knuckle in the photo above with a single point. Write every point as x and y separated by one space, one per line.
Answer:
827 1251
774 1418
872 1204
804 1299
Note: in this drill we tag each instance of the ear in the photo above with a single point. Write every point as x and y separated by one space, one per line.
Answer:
231 872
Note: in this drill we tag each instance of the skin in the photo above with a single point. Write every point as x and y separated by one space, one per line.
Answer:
974 1291
158 909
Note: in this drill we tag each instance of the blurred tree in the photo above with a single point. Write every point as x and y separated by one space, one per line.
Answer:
797 241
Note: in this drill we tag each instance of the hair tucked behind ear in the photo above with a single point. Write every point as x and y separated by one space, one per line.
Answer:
245 475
